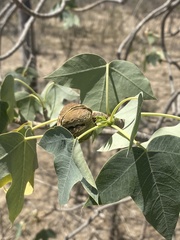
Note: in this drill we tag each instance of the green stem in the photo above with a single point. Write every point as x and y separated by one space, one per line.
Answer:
125 135
107 88
90 130
33 137
151 114
121 132
44 123
34 96
24 71
28 87
119 105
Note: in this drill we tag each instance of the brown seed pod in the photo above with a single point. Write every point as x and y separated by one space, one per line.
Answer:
77 118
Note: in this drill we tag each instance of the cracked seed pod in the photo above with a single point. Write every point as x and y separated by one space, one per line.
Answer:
77 118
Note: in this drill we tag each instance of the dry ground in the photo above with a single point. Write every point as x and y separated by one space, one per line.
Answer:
100 32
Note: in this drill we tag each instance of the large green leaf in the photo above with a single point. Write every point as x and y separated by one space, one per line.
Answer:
87 72
69 162
117 179
7 95
54 96
17 158
28 105
159 180
151 178
3 116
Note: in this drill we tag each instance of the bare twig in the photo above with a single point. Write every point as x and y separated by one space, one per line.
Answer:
10 9
137 7
35 14
163 44
23 34
172 34
164 49
171 100
5 9
92 5
8 15
167 56
93 217
70 209
41 15
61 8
130 38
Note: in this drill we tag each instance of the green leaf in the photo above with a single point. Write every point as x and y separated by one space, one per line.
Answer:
154 57
3 116
130 114
137 120
54 96
159 180
116 141
7 95
174 131
45 234
87 72
25 74
151 178
128 81
70 19
69 162
28 73
117 179
28 105
18 158
7 177
71 4
151 37
87 178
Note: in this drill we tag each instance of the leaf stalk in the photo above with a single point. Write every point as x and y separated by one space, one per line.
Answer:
33 137
45 123
119 105
28 87
151 114
91 129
